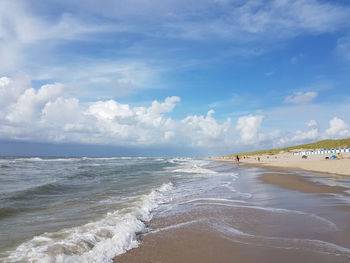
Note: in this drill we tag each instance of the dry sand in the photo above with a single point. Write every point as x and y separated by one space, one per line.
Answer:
316 163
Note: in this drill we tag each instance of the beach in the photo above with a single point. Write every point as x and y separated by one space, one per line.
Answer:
316 163
281 215
170 210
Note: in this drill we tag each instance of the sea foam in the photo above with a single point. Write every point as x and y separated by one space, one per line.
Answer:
98 241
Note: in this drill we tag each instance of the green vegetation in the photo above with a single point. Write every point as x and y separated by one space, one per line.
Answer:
325 144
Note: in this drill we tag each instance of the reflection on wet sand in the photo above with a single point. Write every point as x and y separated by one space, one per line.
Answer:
268 223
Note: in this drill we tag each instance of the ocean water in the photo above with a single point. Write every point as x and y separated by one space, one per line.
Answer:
94 209
77 209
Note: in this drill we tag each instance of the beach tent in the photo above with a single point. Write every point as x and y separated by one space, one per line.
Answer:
347 150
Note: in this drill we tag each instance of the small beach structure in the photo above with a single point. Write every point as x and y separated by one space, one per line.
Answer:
323 151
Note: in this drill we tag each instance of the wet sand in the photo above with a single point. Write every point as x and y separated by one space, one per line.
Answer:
303 228
214 240
300 183
199 245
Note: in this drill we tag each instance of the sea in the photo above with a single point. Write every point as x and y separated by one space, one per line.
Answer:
94 209
82 209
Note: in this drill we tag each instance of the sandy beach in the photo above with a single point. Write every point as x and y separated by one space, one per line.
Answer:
316 163
263 215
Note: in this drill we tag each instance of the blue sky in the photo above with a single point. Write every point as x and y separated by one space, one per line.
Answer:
208 76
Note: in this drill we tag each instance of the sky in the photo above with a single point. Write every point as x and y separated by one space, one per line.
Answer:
151 78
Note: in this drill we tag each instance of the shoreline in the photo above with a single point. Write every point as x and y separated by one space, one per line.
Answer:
220 228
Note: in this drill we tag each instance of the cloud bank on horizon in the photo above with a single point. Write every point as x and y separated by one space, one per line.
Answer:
224 75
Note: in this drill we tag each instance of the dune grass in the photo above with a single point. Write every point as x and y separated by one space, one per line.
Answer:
325 144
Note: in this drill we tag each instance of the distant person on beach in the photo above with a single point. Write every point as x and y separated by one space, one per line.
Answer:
258 159
237 158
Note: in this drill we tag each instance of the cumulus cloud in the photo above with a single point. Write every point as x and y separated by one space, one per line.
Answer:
206 130
28 106
11 89
338 128
61 111
301 136
312 124
46 114
109 110
248 127
301 97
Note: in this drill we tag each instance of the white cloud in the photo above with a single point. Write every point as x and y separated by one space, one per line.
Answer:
104 80
305 136
25 26
32 37
29 104
18 23
338 128
301 97
47 114
108 110
205 130
248 127
254 20
312 124
27 36
11 89
298 137
61 111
